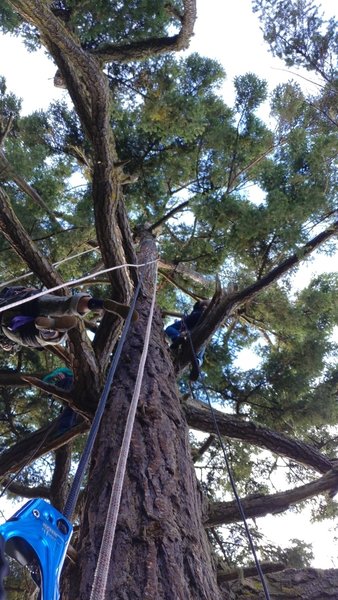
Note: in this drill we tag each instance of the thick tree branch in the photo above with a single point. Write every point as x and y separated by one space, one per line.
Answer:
157 225
14 378
199 417
179 286
23 245
267 567
289 584
39 491
53 390
198 452
224 305
4 131
83 358
286 265
60 484
152 46
222 513
186 273
35 445
89 90
25 187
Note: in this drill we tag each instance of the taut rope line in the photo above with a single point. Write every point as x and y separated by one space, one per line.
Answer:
56 264
73 282
102 567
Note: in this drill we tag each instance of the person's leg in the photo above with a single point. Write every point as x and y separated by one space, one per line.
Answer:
64 323
196 364
109 305
68 419
172 332
50 305
79 305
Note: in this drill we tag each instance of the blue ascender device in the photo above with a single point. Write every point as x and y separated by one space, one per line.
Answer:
37 536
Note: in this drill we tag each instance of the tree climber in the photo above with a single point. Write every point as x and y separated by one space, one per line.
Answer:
46 320
177 333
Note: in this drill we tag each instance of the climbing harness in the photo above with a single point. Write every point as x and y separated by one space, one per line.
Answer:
38 535
231 478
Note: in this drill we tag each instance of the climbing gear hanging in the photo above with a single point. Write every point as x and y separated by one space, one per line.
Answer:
38 535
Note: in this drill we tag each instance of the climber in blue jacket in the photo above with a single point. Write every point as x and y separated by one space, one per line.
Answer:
177 334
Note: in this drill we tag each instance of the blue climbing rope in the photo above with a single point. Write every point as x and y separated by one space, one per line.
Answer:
76 485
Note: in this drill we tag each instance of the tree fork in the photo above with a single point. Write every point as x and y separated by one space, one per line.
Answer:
89 90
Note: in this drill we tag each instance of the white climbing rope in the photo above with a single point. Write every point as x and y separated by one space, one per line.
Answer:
73 282
56 264
102 568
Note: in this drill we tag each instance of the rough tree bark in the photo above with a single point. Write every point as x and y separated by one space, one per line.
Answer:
160 550
290 584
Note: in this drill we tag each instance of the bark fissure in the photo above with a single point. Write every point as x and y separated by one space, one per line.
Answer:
160 512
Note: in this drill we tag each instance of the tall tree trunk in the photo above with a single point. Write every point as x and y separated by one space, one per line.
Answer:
160 549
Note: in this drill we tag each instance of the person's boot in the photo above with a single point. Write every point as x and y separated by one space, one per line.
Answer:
119 309
63 323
